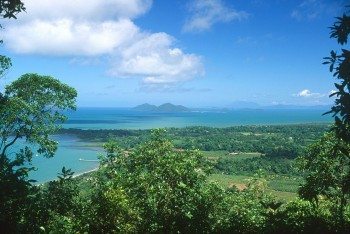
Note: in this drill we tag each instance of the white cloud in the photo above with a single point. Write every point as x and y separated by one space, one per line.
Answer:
91 10
74 27
313 9
66 37
304 93
308 94
153 58
94 28
206 13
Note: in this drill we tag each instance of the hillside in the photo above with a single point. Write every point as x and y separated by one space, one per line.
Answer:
145 107
166 107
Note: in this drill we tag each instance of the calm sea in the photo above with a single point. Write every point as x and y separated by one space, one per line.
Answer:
118 118
71 153
71 150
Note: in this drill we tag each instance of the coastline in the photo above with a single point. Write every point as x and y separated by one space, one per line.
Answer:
85 172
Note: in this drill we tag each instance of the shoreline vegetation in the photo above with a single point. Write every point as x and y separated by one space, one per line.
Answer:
301 133
237 154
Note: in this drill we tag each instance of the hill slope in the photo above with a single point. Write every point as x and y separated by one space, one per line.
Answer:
166 107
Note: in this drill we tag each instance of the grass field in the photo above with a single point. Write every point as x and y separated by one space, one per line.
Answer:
214 155
283 188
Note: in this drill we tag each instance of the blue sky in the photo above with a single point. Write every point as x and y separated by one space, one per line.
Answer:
198 53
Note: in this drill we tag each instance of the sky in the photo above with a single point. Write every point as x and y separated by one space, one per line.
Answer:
198 53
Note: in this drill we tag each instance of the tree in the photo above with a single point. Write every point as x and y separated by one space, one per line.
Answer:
10 8
31 110
327 163
328 173
165 185
339 65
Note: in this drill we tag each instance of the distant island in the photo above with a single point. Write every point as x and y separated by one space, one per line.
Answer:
166 107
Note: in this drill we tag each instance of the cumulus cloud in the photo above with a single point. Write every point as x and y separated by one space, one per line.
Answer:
308 94
206 13
91 10
94 28
66 37
153 58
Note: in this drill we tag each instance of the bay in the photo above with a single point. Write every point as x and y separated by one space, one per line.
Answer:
73 154
71 149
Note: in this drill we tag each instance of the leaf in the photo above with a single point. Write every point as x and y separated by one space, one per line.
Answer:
333 54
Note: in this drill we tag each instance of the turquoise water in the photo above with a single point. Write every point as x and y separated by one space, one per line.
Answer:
117 118
70 149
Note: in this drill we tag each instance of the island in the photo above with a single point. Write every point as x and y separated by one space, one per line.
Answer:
166 107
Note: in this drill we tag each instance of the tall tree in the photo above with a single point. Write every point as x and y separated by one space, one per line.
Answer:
32 110
339 65
327 163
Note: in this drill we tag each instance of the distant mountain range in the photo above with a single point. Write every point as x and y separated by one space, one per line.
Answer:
290 107
252 105
166 107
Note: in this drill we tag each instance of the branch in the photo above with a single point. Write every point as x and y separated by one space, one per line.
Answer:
9 144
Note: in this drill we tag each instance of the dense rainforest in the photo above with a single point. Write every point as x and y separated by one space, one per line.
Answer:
287 140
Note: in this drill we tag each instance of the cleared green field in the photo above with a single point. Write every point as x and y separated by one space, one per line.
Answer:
214 155
285 184
284 196
283 188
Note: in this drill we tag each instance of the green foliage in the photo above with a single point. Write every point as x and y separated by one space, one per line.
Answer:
5 64
339 65
285 141
158 188
30 110
300 216
110 210
249 166
61 192
241 212
327 161
328 172
165 183
52 207
10 8
14 189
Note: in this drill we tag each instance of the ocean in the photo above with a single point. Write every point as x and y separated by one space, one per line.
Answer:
123 118
81 157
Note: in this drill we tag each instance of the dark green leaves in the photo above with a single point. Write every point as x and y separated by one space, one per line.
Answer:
33 109
10 8
5 64
339 65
